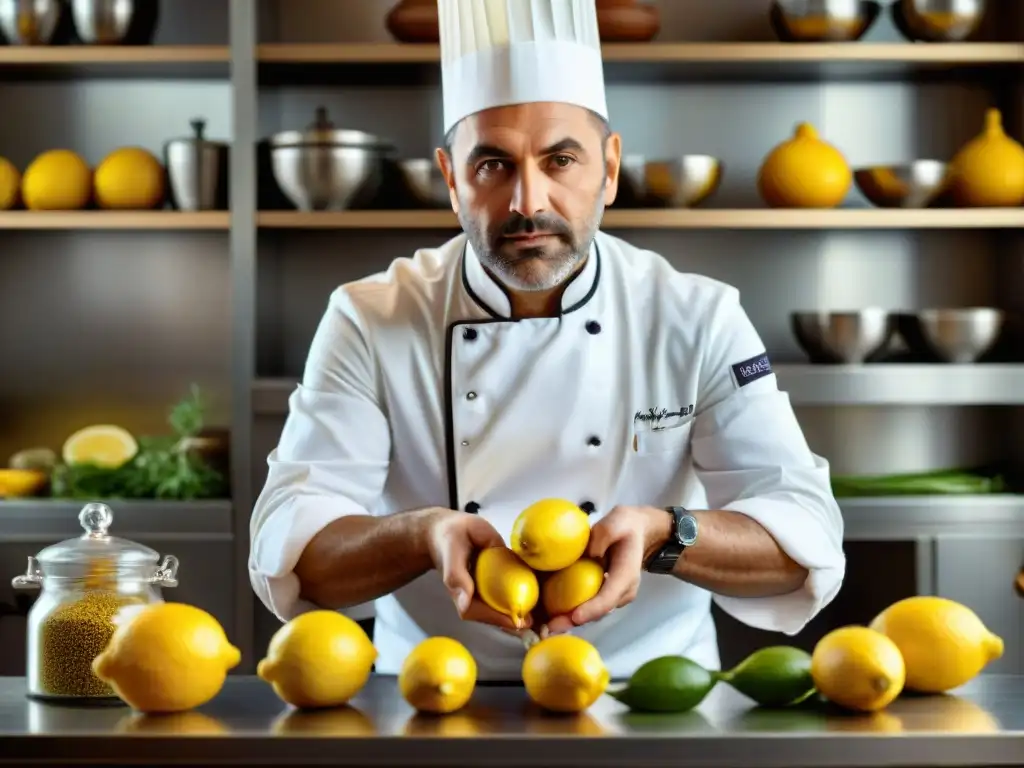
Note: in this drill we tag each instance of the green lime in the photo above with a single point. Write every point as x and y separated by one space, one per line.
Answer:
777 676
666 684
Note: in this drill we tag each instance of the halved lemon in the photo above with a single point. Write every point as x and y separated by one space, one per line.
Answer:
103 445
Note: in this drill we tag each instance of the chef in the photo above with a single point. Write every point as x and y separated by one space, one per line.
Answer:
532 357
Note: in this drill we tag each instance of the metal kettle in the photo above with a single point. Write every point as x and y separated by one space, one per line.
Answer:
197 171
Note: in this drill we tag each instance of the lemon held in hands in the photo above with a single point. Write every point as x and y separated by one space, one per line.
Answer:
551 534
318 659
944 644
166 657
506 584
438 676
568 589
858 668
564 673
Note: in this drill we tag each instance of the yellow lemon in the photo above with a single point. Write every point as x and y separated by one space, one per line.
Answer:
129 178
58 180
858 668
10 184
804 172
438 676
102 445
17 483
551 534
166 657
564 673
569 588
944 644
506 583
318 659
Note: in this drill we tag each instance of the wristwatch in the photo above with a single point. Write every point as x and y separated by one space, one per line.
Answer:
684 534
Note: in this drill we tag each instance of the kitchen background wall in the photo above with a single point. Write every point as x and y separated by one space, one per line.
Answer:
98 326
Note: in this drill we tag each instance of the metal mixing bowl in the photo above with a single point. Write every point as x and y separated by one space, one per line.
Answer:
818 21
843 337
102 22
938 21
325 169
952 335
29 22
425 182
914 185
683 181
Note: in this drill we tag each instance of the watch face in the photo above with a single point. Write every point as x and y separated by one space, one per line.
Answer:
686 530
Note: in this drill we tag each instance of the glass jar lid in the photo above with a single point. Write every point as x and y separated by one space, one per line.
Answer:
96 544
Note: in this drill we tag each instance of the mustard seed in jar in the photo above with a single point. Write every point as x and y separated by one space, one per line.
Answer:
71 637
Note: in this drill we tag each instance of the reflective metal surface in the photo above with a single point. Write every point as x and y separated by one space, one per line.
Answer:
982 725
102 22
29 22
197 171
953 335
681 182
938 21
424 180
843 337
822 20
913 185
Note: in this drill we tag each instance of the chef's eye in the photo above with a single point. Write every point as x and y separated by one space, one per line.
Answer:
491 166
563 161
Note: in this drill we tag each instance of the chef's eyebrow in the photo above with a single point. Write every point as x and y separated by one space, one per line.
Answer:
488 151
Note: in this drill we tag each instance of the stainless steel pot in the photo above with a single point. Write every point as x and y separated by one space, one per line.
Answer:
324 168
29 22
102 22
197 171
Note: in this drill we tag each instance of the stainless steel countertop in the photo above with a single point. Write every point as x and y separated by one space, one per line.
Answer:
982 725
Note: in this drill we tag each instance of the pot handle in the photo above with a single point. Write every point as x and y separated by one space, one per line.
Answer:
167 574
32 577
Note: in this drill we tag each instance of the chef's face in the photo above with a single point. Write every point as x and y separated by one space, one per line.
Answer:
529 184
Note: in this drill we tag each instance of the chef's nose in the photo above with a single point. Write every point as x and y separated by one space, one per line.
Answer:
530 195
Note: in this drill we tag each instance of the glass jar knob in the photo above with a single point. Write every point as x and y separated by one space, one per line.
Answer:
96 519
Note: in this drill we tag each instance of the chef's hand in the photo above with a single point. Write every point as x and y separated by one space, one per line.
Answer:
455 538
621 540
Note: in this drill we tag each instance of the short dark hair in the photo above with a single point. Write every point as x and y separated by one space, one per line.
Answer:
603 126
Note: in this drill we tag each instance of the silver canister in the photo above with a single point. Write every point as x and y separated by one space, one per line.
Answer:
29 22
197 171
102 22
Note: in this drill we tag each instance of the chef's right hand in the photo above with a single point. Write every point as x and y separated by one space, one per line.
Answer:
454 540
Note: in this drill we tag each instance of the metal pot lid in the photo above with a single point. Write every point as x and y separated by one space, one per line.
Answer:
322 132
198 129
96 544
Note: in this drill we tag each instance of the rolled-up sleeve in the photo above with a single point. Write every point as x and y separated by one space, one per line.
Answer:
751 457
331 461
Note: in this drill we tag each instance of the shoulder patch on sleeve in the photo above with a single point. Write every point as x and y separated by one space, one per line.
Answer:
752 369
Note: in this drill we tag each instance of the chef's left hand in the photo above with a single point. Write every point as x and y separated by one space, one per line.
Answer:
621 539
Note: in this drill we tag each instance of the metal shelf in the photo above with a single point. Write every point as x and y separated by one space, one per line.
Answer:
898 518
43 520
900 384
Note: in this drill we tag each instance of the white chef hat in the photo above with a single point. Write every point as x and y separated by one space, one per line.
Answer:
500 52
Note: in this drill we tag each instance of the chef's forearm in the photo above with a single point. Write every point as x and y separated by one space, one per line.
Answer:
737 557
359 558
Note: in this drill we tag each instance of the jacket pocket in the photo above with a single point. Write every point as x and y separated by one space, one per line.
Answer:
670 439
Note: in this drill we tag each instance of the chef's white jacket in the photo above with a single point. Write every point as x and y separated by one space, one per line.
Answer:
652 387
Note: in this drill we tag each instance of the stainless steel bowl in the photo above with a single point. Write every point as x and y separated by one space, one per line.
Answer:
843 337
681 182
914 185
938 21
952 335
325 169
102 22
425 182
29 22
817 21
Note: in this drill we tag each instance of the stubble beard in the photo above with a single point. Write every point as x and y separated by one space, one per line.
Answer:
533 269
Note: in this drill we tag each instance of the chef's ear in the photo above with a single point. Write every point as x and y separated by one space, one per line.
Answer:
444 162
612 165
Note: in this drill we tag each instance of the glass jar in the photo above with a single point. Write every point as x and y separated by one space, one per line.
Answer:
85 582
